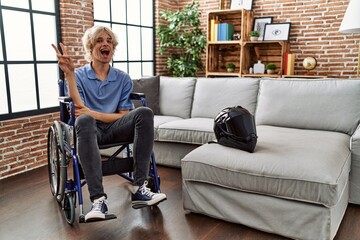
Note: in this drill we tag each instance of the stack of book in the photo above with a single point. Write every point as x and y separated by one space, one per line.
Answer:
220 31
225 31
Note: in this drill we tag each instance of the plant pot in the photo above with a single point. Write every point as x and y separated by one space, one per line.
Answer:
270 71
230 69
254 39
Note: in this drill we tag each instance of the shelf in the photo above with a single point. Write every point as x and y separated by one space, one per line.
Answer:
303 76
262 75
225 42
220 53
226 74
282 76
264 42
265 51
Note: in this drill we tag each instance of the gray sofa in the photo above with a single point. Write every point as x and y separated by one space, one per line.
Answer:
306 165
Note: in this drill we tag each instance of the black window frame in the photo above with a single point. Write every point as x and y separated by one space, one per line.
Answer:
110 22
5 63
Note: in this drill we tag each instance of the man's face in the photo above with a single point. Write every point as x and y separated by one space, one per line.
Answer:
103 48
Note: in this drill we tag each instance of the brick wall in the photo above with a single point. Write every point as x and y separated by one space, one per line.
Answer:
314 32
23 143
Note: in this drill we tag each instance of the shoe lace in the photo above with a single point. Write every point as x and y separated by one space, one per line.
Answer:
97 204
145 190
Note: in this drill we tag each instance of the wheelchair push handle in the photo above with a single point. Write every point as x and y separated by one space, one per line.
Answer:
65 99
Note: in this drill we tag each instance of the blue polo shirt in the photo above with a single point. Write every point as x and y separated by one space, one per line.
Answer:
106 96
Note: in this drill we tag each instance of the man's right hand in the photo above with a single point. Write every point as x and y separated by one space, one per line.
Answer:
65 62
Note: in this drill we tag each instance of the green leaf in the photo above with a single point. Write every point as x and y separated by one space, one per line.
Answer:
182 39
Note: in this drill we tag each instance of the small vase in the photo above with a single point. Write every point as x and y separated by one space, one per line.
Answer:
259 67
253 39
230 69
270 71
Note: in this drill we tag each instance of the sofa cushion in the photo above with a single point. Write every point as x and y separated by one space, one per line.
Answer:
191 130
150 86
214 94
304 165
332 105
176 95
160 119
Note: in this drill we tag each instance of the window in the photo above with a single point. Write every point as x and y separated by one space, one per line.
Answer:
133 23
28 65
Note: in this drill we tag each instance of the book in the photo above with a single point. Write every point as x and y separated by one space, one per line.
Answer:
221 31
225 31
285 63
213 30
216 32
290 64
229 32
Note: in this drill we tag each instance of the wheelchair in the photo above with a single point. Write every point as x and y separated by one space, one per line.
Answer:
62 153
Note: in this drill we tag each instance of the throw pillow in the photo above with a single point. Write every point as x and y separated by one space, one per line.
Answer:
150 86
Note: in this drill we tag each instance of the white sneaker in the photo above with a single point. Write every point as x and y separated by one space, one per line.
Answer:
98 210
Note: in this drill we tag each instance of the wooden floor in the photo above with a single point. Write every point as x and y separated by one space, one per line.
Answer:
28 211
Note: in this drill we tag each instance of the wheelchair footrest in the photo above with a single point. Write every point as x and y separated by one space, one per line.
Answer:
107 217
117 166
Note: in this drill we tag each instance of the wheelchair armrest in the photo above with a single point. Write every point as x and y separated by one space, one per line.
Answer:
136 96
65 99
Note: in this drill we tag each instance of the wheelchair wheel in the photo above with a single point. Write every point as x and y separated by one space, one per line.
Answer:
69 207
53 161
56 162
151 184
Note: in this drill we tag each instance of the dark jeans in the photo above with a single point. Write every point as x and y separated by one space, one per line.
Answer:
137 126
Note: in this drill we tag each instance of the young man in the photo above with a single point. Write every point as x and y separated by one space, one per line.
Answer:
102 109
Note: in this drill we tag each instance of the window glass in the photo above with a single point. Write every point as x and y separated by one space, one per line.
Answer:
102 24
147 43
30 60
22 87
121 49
134 39
41 5
118 11
3 96
17 35
147 13
16 3
135 70
147 69
121 66
133 23
133 9
102 10
44 24
48 84
1 50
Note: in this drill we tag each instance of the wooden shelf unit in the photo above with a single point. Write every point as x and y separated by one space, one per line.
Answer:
265 51
219 53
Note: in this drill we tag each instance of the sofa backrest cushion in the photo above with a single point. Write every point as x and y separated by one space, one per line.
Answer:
176 96
150 86
214 94
330 104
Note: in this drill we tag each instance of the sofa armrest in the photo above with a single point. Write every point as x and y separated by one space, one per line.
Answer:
355 167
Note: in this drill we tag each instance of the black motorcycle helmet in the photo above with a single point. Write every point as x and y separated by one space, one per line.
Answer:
235 127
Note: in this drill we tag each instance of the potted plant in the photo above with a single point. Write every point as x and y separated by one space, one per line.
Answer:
230 67
270 68
181 38
254 35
